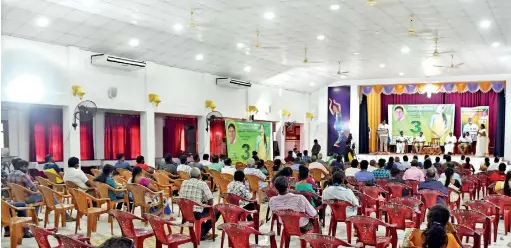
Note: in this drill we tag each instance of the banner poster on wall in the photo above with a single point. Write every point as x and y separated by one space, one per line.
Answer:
245 137
472 118
434 120
338 119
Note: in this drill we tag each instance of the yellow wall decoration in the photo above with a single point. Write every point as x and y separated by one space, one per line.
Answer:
78 91
252 109
309 116
210 104
153 98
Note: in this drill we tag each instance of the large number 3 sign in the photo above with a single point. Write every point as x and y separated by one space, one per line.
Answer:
246 148
416 127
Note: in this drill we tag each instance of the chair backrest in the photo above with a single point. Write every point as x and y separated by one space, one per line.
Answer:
18 192
291 221
164 172
502 201
483 206
372 191
177 183
161 178
270 192
102 189
351 180
396 189
186 207
138 192
228 176
158 225
382 182
232 198
231 213
80 200
68 241
43 181
6 213
222 184
397 213
71 185
468 217
95 172
183 175
126 174
321 241
467 184
407 201
317 174
338 209
52 177
48 197
253 182
306 194
125 220
430 197
414 185
366 228
435 142
238 234
464 231
90 177
40 235
216 174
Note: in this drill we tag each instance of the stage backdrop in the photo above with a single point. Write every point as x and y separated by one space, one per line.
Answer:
434 120
338 118
478 115
245 137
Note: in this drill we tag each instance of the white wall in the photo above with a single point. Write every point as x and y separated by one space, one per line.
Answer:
318 102
57 68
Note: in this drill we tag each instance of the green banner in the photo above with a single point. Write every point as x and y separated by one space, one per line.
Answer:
434 120
245 137
472 118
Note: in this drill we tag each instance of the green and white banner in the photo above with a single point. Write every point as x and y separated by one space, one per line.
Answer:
472 118
245 137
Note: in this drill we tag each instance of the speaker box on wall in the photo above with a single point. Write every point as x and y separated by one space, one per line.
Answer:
191 138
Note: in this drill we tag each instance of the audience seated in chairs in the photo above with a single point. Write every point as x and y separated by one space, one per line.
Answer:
433 184
339 189
121 164
75 175
238 187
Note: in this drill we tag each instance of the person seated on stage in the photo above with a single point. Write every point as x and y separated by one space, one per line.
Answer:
465 142
350 172
468 166
400 143
498 176
381 172
405 164
495 165
419 142
449 143
414 173
363 175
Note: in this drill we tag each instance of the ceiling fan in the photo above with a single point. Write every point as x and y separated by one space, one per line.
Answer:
343 74
371 3
193 24
306 60
436 53
412 31
452 66
258 45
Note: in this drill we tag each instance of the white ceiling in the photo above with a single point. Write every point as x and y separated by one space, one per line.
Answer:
377 33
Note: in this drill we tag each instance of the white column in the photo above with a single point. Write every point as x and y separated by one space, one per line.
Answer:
355 114
158 130
23 133
305 143
12 118
99 135
319 126
147 137
203 139
71 135
281 135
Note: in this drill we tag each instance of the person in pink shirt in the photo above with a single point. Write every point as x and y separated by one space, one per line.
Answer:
414 173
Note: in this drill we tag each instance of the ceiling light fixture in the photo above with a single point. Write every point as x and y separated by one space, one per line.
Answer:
383 65
199 57
87 2
178 27
134 22
134 42
485 24
312 84
240 45
356 53
401 74
343 76
320 37
405 49
269 15
335 7
42 22
247 68
495 44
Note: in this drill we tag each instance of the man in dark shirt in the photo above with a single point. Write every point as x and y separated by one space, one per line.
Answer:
50 163
170 166
433 184
338 163
316 148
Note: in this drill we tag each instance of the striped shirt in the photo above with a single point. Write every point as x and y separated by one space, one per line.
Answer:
293 202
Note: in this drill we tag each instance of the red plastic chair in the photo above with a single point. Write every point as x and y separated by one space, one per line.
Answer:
397 189
338 209
483 182
470 218
321 241
414 186
489 209
170 239
369 205
491 189
128 230
309 196
69 241
351 180
237 215
239 235
430 197
41 236
271 192
291 222
464 231
504 203
397 214
186 208
235 200
468 186
382 182
366 230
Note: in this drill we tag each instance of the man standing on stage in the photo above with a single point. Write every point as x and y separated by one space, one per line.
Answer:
465 142
400 143
449 144
419 142
383 135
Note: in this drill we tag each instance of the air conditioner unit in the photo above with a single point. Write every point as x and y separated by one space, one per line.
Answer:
232 83
116 62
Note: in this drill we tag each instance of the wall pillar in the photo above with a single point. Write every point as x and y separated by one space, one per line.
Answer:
147 137
507 134
158 131
355 114
203 135
99 134
71 135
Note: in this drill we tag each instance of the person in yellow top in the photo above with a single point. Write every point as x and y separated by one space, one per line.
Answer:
439 233
504 187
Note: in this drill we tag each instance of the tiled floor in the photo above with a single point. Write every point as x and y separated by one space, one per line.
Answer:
103 233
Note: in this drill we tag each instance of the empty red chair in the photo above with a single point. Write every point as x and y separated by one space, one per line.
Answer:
338 209
170 239
369 204
470 218
414 186
233 214
489 209
239 235
397 189
382 182
186 208
271 192
41 236
397 214
504 203
468 186
321 241
128 230
291 222
483 182
366 230
464 231
70 241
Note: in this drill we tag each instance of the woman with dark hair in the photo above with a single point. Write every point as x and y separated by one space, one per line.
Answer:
138 178
468 166
484 166
276 165
449 182
390 164
439 232
286 172
261 167
482 142
106 177
303 184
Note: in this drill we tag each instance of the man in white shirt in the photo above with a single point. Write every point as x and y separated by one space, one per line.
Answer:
205 160
449 143
495 165
372 165
183 166
228 168
252 170
471 128
419 142
400 143
76 175
465 142
350 172
317 165
339 191
383 132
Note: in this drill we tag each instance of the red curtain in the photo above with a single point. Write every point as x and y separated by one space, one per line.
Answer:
216 137
174 140
460 100
45 134
122 135
86 140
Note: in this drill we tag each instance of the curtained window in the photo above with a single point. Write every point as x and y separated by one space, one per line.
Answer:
45 134
174 138
122 135
216 137
86 140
